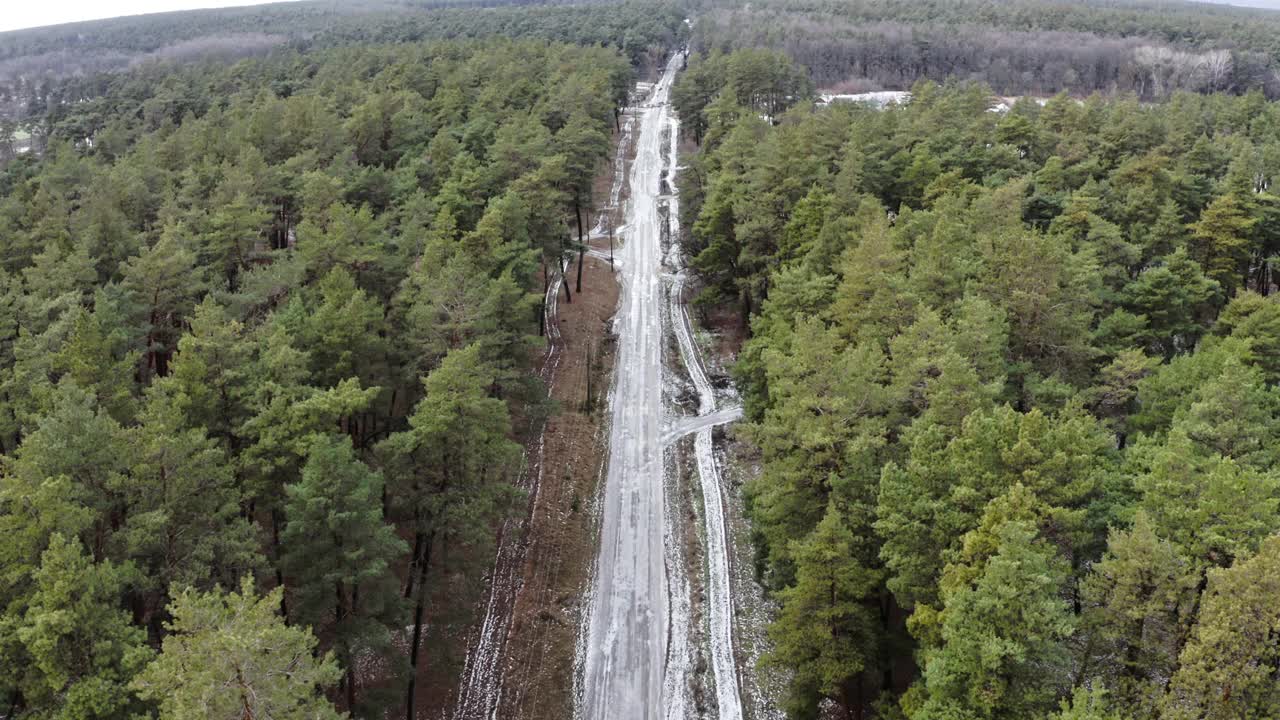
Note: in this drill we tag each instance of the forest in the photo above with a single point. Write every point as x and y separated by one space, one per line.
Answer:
1018 47
273 297
266 336
47 73
1011 378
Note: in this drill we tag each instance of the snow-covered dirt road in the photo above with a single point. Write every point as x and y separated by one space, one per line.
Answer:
625 644
636 650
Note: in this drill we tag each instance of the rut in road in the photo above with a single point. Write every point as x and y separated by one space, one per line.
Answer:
634 650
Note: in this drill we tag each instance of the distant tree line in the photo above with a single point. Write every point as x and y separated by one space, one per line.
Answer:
1197 25
42 71
147 33
1016 47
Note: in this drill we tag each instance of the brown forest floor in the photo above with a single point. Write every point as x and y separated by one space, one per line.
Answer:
561 539
559 534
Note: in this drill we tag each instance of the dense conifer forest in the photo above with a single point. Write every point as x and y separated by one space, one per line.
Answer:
46 74
1012 381
274 320
272 295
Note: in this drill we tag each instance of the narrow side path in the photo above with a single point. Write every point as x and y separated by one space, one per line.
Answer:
719 586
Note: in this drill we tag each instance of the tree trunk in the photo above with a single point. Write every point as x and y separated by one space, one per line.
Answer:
577 210
413 565
568 297
418 611
15 704
246 708
542 314
582 250
351 685
275 550
341 610
845 703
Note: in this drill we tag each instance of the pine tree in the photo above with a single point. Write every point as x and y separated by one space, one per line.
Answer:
345 237
584 145
450 471
208 376
1088 704
943 257
1113 398
185 524
1235 415
338 552
342 328
927 504
230 234
1220 242
827 631
1171 388
81 650
1048 294
1255 318
81 450
1003 653
796 294
165 281
1211 507
229 656
99 356
1227 669
285 412
829 403
1139 601
1174 299
872 301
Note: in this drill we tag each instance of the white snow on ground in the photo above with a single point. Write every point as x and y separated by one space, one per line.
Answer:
879 99
884 98
634 652
697 423
1004 104
619 170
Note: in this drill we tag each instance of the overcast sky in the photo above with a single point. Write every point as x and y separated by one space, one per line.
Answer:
15 14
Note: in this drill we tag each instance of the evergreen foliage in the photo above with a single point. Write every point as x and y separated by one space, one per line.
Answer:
1011 376
277 316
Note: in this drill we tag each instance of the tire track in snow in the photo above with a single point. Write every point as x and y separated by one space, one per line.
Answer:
724 666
